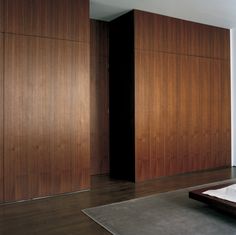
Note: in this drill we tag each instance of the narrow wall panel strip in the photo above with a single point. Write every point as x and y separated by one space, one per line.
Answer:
1 119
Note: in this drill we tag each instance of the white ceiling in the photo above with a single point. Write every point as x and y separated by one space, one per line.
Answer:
220 13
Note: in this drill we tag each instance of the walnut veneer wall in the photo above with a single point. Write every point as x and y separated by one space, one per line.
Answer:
45 88
181 87
1 116
99 55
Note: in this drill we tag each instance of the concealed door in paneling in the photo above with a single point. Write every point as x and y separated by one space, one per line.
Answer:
46 117
149 115
66 19
1 117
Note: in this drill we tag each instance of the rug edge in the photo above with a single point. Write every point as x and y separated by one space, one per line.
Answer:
96 221
155 194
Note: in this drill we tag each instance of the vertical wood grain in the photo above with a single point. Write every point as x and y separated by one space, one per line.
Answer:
182 110
171 121
2 16
148 38
99 90
205 41
169 37
215 112
183 37
216 41
193 43
187 85
64 19
99 38
156 91
225 114
144 71
46 117
205 78
1 120
166 34
225 44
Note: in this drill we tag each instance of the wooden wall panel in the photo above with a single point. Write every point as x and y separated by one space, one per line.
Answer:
205 79
99 38
195 122
166 34
185 103
142 116
167 115
171 122
46 117
225 112
190 97
180 123
1 16
157 107
64 19
1 118
181 161
215 111
99 90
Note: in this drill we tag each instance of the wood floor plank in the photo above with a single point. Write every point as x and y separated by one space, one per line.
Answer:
62 214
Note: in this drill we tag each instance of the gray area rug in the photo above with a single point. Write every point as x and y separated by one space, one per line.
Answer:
165 213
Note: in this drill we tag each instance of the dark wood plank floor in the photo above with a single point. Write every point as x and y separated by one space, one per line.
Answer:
62 214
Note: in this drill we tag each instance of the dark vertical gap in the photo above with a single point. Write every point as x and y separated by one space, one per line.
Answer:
121 98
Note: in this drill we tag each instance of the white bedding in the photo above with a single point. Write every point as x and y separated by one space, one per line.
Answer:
227 193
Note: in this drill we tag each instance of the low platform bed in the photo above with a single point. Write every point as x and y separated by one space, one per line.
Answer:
223 205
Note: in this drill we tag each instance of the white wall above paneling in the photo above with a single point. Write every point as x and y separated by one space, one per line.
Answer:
213 12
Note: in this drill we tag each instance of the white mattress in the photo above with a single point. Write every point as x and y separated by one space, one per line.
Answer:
227 193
